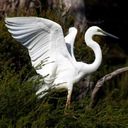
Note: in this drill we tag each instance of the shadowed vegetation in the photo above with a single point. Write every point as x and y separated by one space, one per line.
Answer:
20 107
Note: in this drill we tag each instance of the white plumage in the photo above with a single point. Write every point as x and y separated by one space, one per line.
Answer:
51 54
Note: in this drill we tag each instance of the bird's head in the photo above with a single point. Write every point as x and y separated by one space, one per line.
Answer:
94 30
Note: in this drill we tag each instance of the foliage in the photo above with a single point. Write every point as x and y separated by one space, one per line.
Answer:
20 107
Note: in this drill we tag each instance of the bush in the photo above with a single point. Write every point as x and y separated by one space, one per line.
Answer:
20 107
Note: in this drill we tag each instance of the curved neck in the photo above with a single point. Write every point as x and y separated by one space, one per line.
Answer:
98 55
85 69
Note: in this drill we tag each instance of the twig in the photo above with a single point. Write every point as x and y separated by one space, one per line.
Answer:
100 83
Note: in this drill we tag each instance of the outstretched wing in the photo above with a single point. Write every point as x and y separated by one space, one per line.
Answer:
41 36
70 39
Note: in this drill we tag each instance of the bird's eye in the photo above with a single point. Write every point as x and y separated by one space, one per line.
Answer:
99 30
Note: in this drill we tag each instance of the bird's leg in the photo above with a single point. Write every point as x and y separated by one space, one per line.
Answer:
68 99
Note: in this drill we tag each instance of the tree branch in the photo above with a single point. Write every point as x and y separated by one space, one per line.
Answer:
100 83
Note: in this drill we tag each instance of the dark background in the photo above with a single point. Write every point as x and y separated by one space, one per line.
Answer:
112 16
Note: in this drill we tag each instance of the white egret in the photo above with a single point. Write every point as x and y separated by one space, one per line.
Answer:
45 42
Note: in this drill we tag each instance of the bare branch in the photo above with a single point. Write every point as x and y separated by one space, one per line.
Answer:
100 83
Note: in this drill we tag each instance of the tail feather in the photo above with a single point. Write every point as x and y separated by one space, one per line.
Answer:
42 91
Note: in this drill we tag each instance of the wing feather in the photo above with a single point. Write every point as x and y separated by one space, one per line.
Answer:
41 36
70 39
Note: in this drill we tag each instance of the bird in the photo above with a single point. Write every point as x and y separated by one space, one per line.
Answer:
52 54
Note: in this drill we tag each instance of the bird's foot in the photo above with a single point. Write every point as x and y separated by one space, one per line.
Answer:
67 107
